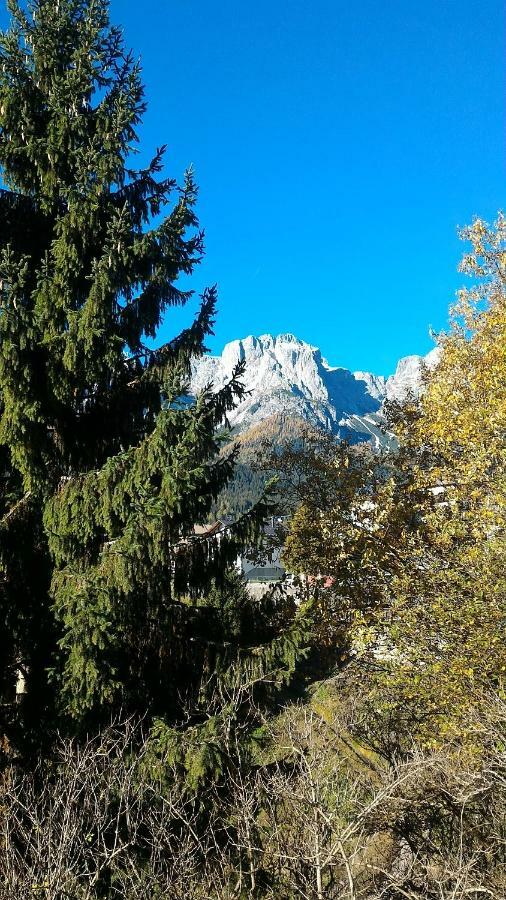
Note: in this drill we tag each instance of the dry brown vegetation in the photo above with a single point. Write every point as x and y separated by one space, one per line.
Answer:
313 821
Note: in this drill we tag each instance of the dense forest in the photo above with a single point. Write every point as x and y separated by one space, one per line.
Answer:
263 453
164 734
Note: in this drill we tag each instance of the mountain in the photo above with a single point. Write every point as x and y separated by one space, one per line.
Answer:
251 470
289 377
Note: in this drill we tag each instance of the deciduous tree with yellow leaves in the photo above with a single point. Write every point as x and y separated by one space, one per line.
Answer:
417 542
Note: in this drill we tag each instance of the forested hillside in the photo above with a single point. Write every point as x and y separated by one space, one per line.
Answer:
257 449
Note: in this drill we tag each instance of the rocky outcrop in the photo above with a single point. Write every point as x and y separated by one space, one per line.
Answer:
285 375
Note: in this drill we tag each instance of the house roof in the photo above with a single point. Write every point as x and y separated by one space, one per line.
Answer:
208 530
265 573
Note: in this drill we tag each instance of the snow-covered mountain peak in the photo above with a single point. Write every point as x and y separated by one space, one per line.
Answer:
408 377
286 375
286 338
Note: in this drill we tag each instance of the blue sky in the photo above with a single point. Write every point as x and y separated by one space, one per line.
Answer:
337 147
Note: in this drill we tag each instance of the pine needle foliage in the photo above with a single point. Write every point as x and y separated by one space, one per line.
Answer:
106 467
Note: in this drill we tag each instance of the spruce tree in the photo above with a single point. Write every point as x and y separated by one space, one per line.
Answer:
108 599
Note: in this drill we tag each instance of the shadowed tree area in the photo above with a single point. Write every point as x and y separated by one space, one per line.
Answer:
106 592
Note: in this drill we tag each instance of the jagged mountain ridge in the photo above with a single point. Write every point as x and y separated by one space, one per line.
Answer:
285 375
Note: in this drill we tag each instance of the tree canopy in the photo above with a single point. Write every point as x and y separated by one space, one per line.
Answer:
106 465
412 543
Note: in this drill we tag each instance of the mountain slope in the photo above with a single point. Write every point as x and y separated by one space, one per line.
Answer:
287 376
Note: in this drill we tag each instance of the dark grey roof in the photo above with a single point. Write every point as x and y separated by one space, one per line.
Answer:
265 573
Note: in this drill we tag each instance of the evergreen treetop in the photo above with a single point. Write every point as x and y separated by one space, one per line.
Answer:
106 466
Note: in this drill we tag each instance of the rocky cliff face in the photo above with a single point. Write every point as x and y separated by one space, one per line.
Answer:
285 375
408 375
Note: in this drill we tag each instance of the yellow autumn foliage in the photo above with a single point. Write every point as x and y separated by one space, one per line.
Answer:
416 543
449 599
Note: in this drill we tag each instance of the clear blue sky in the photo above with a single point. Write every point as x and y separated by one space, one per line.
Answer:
337 147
